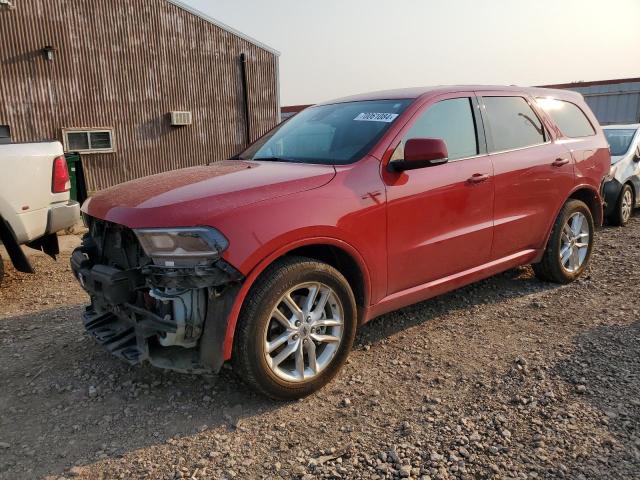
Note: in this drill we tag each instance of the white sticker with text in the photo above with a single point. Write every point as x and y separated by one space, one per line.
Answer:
376 117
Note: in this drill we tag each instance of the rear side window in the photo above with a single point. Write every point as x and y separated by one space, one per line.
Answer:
450 120
571 120
513 123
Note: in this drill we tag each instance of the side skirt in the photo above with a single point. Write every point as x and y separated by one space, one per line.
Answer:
429 290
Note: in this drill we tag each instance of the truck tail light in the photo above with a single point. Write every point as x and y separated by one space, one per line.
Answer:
61 181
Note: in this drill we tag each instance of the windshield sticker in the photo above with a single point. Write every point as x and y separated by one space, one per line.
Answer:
376 117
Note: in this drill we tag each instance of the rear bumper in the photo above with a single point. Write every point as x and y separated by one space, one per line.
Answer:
62 216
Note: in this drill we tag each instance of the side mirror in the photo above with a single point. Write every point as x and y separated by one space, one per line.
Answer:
637 157
421 153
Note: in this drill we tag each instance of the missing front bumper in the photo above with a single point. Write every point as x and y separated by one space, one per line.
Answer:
133 341
121 319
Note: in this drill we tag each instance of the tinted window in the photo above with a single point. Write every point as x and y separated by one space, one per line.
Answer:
452 121
513 123
619 140
78 140
5 134
570 119
329 134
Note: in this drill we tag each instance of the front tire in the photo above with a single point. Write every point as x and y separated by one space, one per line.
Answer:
569 248
295 329
624 207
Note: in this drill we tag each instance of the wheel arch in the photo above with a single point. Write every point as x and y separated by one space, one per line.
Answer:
585 193
337 253
17 256
592 199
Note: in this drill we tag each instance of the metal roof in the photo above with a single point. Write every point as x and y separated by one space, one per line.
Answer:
593 83
204 16
612 101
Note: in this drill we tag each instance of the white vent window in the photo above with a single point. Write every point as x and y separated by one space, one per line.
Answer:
180 118
88 140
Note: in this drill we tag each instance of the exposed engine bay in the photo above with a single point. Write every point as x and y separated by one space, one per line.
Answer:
170 311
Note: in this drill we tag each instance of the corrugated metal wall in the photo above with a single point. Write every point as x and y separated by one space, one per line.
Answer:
126 64
613 103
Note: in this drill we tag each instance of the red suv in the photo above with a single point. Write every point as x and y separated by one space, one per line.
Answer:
351 209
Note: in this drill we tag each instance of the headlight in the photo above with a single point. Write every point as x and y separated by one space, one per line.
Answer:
175 247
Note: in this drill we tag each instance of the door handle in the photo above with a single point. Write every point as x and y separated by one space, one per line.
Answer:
478 178
558 162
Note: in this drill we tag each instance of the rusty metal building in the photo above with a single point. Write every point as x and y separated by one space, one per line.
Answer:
136 87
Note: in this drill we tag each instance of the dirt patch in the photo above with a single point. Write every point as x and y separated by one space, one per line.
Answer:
508 378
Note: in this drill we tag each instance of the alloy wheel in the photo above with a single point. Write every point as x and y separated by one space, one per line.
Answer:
626 205
574 242
304 332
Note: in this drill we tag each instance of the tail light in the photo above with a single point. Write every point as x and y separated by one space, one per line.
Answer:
61 181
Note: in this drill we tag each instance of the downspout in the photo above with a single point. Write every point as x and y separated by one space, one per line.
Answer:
279 112
245 95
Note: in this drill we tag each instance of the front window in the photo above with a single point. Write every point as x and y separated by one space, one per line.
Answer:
450 120
334 134
619 140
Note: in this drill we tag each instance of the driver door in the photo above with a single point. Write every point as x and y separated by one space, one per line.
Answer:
440 218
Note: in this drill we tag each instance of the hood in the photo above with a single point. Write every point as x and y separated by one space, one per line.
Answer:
191 196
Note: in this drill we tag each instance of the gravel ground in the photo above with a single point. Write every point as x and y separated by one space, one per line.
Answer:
508 378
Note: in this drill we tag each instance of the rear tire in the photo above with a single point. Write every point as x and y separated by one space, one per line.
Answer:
570 244
302 306
624 207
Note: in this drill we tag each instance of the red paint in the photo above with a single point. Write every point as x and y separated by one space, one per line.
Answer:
418 149
415 234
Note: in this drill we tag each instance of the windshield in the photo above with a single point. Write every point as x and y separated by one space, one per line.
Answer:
334 134
619 140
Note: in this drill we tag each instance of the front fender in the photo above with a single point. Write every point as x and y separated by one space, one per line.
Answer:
252 276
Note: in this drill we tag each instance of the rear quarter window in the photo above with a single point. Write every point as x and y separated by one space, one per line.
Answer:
570 118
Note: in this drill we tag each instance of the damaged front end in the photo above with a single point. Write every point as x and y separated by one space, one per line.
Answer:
160 295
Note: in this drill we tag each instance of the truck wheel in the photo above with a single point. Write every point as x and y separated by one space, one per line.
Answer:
295 329
570 244
624 207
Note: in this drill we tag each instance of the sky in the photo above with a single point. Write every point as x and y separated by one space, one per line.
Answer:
334 48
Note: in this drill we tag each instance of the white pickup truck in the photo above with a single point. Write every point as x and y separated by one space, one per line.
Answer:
34 200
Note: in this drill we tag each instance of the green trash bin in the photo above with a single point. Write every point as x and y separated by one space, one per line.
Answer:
72 160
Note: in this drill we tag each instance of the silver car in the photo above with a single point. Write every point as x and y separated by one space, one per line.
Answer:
621 191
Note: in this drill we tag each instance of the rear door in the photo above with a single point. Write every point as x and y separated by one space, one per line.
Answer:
440 218
533 174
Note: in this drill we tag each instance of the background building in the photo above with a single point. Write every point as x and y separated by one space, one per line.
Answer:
612 101
136 87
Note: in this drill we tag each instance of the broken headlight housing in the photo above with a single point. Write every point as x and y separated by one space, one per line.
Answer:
182 247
